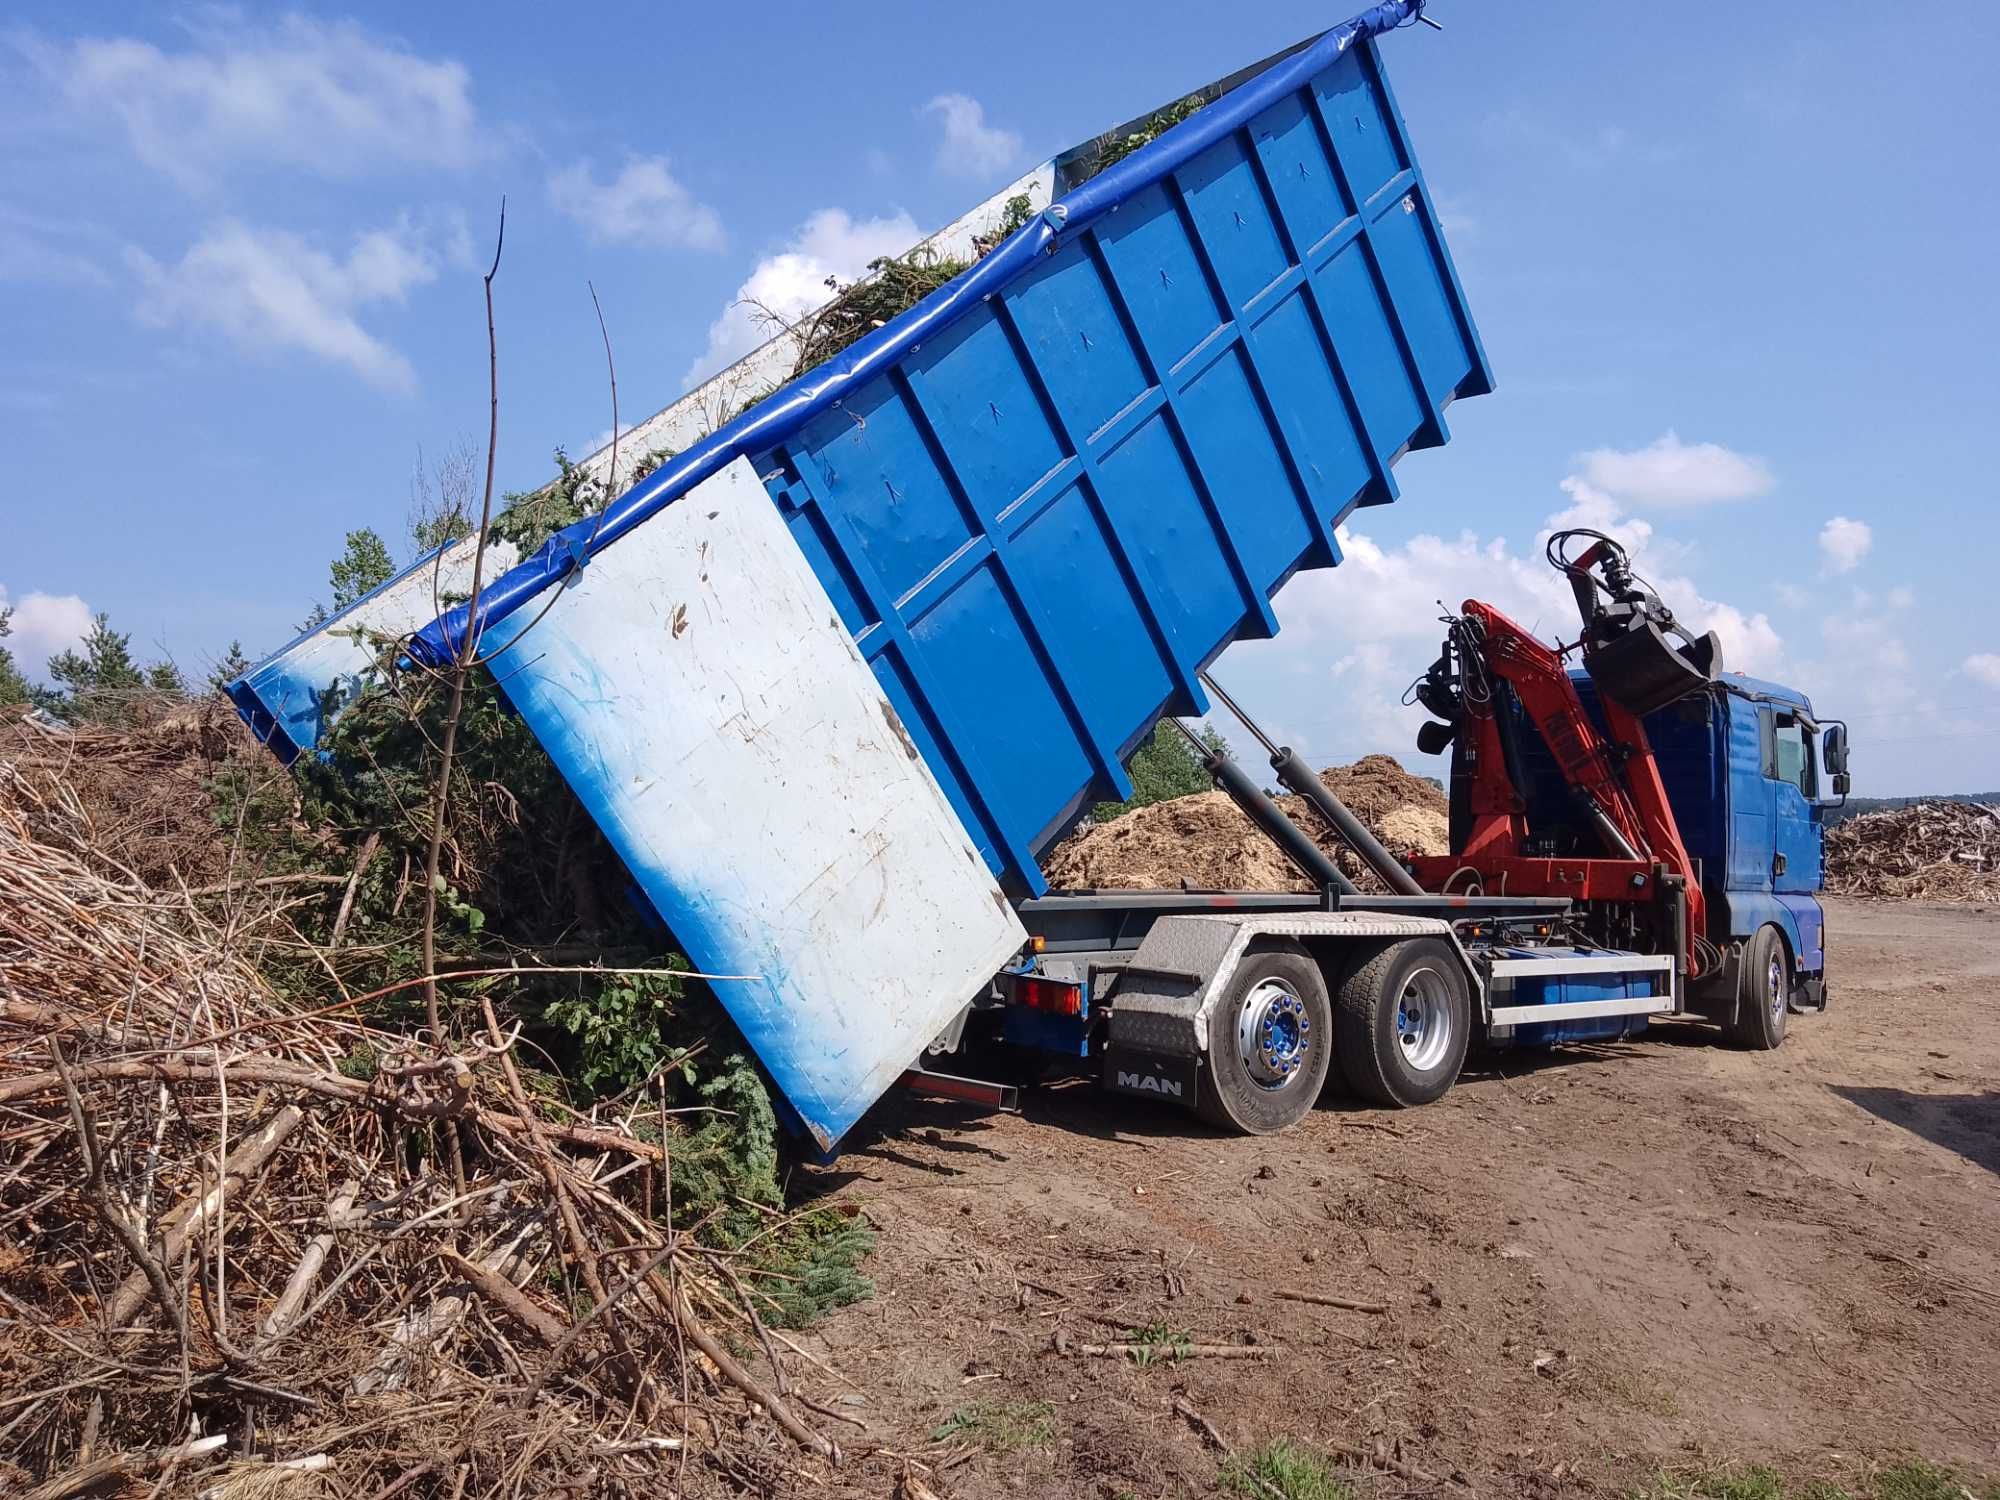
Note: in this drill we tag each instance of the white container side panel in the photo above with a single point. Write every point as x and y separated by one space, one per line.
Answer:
312 679
696 688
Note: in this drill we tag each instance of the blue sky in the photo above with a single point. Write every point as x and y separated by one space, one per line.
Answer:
1735 282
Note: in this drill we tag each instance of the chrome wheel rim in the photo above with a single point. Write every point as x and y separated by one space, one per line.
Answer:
1774 985
1423 1020
1274 1036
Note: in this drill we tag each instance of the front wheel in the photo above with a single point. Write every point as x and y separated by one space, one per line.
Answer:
1763 989
1269 1042
1402 1023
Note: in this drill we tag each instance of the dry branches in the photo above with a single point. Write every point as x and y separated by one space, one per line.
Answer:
1929 851
228 1251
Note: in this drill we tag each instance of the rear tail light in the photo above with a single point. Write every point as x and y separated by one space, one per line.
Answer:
1057 997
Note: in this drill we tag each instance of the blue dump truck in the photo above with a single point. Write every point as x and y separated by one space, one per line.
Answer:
833 678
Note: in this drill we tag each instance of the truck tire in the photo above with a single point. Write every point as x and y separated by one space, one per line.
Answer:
1270 1039
1763 990
1402 1022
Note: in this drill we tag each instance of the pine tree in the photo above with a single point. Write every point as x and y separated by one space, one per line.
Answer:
13 686
99 681
102 682
232 666
364 566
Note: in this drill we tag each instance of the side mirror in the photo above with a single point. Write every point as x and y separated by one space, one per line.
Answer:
1833 750
1841 782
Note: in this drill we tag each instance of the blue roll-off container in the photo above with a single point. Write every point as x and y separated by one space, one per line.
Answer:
1038 504
1047 496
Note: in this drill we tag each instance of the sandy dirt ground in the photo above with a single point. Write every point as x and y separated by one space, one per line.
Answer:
1593 1262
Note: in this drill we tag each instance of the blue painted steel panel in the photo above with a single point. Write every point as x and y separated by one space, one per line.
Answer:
1565 989
1044 498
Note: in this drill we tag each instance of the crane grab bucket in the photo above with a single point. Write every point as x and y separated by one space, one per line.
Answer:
1641 669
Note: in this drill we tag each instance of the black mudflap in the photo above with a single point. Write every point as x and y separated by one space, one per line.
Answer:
1151 1075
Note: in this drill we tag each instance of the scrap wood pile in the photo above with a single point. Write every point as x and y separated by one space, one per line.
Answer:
1204 841
255 1247
1928 851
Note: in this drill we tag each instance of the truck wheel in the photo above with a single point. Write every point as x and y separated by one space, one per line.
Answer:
1402 1023
1269 1043
1763 991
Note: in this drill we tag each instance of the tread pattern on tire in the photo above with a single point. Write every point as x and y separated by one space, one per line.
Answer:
1356 1021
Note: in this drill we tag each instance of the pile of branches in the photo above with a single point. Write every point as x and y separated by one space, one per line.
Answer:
1929 851
146 781
250 1245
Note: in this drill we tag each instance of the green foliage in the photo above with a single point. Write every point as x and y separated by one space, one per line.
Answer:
1000 1426
363 566
727 1166
1165 766
1015 212
102 683
1288 1469
648 462
104 665
530 518
1916 1479
620 1030
438 529
1150 130
1157 1341
893 285
814 1262
232 666
13 686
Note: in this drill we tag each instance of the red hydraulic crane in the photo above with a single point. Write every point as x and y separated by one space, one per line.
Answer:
1611 774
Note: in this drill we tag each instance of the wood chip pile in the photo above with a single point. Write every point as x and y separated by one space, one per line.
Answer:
1204 842
1929 851
250 1247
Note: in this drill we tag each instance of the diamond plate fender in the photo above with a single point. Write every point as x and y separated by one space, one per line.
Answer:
1164 996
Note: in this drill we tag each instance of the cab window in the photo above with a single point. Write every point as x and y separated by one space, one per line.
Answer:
1788 752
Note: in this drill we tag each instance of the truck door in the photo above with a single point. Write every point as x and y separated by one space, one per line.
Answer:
1789 763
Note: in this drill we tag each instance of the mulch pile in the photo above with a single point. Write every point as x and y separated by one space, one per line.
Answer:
1929 851
1204 842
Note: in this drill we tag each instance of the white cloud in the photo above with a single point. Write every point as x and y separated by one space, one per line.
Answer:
645 204
1902 596
1845 542
42 626
971 147
1669 473
1791 595
296 93
789 284
1983 667
1372 623
267 291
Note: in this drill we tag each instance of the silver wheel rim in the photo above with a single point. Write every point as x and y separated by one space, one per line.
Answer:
1274 1035
1774 985
1423 1020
